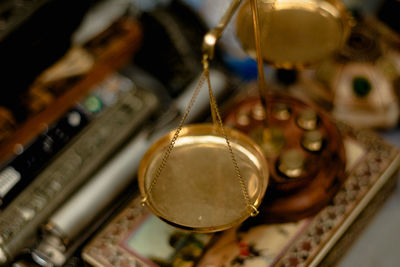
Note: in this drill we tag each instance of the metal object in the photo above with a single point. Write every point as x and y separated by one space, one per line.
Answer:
302 162
76 215
211 38
20 221
307 119
312 141
22 170
258 113
198 189
291 163
73 222
294 33
281 111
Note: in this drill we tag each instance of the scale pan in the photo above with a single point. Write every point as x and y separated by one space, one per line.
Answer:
198 189
294 33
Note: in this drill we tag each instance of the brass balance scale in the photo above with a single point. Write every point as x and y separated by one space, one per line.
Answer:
209 177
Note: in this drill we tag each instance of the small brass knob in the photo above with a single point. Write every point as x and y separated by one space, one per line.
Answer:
291 163
312 141
307 120
281 112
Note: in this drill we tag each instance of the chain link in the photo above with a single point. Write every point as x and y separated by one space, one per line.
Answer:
218 120
251 209
176 135
205 76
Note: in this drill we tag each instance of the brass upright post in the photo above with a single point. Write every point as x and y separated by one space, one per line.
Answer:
260 66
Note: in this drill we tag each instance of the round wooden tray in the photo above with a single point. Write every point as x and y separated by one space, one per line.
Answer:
322 171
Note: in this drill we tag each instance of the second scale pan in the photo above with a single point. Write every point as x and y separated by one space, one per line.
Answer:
199 189
294 33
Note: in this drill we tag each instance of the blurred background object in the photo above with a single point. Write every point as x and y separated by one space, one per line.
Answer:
171 46
360 83
49 47
33 35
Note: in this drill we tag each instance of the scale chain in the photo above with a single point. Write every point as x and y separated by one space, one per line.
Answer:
205 76
218 121
176 135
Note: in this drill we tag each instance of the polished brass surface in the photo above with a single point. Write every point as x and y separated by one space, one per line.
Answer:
198 189
291 163
312 141
294 33
258 112
271 139
307 119
210 38
257 44
306 166
281 111
243 119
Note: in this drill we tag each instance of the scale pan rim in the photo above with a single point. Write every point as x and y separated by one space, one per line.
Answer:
236 138
340 22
